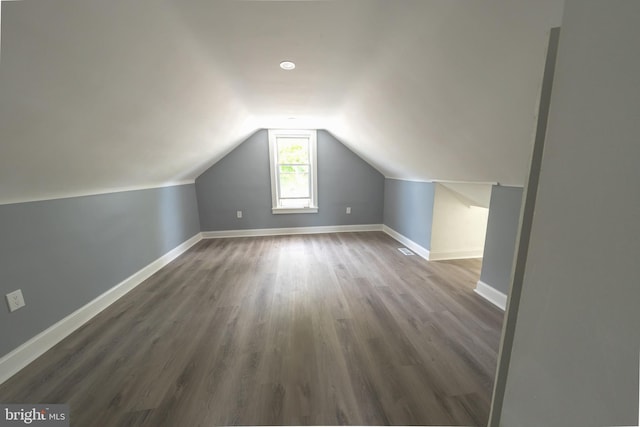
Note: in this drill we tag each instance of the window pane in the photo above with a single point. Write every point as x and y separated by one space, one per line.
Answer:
303 169
294 185
292 159
293 150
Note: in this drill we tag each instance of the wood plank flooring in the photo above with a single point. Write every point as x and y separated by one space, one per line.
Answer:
314 329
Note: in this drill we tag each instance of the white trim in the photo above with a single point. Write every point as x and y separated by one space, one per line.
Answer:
70 195
26 353
281 211
442 181
431 255
415 247
491 294
447 255
395 178
290 231
446 181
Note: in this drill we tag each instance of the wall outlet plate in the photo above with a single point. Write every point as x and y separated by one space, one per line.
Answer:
15 300
348 210
239 214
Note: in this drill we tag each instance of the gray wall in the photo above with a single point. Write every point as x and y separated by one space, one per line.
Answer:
502 231
408 209
64 253
241 181
574 359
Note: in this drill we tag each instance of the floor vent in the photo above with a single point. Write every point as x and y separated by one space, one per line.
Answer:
405 251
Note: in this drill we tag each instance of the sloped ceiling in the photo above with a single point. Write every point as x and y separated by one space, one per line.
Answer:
471 194
98 95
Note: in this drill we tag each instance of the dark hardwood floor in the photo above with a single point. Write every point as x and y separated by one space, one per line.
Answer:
314 329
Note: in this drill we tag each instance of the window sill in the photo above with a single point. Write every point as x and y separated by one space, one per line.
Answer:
278 211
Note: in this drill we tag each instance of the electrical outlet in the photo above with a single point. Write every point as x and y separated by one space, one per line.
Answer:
15 300
238 214
348 210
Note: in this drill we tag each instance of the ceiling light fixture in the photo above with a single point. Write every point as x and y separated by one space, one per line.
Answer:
287 65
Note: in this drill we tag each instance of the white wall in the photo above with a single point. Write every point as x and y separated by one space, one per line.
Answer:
574 358
458 229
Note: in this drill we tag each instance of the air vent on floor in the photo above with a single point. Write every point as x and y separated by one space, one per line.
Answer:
405 251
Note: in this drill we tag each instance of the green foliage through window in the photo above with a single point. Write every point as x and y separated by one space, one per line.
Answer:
293 168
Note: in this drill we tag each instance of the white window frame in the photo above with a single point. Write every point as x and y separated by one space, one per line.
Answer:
274 134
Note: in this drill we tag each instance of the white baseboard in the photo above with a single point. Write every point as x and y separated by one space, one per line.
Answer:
290 231
415 247
17 359
446 255
491 294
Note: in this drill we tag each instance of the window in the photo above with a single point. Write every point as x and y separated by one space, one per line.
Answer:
294 183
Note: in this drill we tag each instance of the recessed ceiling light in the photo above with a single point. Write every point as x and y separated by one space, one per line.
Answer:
287 65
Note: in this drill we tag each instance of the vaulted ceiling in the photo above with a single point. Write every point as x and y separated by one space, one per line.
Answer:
99 95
